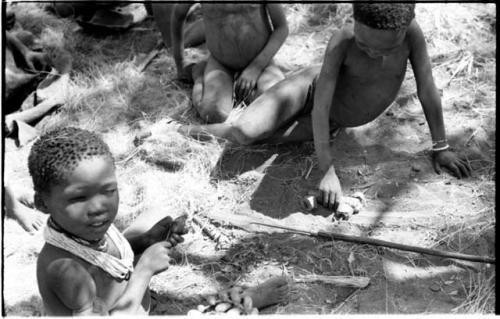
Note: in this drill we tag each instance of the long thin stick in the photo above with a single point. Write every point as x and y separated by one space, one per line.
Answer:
383 243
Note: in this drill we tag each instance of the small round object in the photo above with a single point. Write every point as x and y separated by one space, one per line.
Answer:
309 202
235 311
202 308
212 300
194 312
435 287
223 307
247 304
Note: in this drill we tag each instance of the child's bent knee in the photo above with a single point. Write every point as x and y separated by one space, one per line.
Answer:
211 113
243 136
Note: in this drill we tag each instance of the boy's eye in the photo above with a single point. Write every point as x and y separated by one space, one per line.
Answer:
110 191
79 198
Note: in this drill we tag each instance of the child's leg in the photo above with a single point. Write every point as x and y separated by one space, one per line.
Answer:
272 110
194 34
197 74
28 218
217 100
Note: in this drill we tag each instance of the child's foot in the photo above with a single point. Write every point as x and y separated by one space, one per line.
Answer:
270 292
158 129
29 219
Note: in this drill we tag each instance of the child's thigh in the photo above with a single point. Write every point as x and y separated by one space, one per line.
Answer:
270 76
217 85
276 106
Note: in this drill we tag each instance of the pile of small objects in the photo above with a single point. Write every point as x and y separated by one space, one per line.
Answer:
216 306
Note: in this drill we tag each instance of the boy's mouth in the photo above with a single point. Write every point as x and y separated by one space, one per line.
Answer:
99 224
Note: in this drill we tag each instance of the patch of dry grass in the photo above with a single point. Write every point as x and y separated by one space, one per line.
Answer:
108 94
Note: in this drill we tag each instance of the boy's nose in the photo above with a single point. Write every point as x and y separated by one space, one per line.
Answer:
97 206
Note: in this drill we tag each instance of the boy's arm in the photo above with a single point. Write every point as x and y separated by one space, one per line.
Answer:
431 103
248 78
323 97
74 287
179 14
166 229
276 39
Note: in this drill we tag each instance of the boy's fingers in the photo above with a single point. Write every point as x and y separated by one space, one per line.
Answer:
437 168
455 170
463 169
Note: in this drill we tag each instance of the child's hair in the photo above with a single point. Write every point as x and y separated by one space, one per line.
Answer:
58 152
384 16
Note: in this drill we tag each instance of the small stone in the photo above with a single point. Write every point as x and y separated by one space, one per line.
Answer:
234 311
194 312
435 287
416 168
222 307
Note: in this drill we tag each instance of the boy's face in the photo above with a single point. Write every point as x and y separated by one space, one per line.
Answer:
86 202
376 43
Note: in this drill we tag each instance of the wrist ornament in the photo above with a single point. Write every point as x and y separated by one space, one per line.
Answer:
441 145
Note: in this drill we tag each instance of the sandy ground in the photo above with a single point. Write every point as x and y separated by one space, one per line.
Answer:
387 160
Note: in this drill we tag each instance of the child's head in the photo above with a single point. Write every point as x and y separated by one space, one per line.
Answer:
380 27
74 179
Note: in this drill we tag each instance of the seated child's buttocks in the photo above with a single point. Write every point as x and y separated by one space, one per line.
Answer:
236 33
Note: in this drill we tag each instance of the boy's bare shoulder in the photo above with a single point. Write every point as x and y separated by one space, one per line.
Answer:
58 265
414 33
341 38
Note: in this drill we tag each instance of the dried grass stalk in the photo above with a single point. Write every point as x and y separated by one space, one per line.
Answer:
341 281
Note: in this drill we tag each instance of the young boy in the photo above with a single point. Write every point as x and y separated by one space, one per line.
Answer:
242 39
362 72
86 265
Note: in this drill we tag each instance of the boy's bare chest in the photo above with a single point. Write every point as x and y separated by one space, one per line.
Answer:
232 14
359 67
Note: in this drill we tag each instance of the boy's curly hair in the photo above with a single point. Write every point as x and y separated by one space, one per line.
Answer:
384 16
58 152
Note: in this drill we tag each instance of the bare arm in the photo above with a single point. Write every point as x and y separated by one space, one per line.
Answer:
276 39
74 287
431 104
178 17
323 97
427 92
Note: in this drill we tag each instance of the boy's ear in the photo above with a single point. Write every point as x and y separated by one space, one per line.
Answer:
40 203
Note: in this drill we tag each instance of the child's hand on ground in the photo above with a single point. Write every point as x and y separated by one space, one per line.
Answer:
452 162
168 229
330 190
247 81
155 259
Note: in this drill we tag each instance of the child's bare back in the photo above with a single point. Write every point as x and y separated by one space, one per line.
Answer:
236 33
108 290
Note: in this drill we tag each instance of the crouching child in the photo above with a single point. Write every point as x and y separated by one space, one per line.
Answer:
86 266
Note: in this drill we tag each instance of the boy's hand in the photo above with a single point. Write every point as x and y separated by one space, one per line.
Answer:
452 162
330 189
156 259
247 81
169 230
